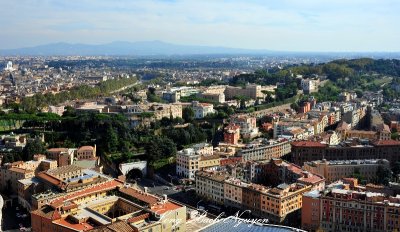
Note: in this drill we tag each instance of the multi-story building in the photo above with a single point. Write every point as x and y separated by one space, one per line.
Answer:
277 171
210 186
303 151
248 126
272 203
251 90
63 156
202 109
232 134
233 192
309 85
166 111
264 150
310 216
350 210
337 169
215 97
190 160
86 152
11 173
102 213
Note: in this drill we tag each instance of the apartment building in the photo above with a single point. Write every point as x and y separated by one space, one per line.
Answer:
190 160
342 209
337 169
248 126
210 186
11 173
272 203
262 149
233 192
232 134
303 151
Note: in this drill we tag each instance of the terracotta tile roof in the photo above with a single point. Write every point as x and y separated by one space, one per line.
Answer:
57 150
119 226
386 143
307 144
47 212
140 195
312 179
64 170
162 208
85 148
49 178
75 195
78 227
20 170
138 218
210 157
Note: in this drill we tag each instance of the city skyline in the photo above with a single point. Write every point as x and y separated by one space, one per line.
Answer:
337 26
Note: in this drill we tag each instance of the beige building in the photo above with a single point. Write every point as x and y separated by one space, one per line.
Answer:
271 203
190 160
86 152
339 169
251 90
11 173
166 111
233 192
210 186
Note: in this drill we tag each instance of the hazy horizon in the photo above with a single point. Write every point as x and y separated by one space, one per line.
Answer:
288 25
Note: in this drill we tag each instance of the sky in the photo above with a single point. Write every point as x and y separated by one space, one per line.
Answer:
281 25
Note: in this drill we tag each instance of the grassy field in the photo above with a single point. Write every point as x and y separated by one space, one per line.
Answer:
382 80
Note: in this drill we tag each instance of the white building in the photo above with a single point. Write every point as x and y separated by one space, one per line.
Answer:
9 67
202 109
309 85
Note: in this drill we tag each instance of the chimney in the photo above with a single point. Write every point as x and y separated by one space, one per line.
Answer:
145 189
165 198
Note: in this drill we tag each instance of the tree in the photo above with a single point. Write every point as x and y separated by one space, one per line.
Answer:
396 169
158 148
383 175
31 148
188 114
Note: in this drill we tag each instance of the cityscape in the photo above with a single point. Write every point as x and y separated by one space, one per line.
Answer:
104 130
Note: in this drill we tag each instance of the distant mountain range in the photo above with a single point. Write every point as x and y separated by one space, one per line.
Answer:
121 48
159 48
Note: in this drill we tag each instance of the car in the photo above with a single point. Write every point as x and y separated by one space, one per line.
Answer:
18 214
24 215
166 188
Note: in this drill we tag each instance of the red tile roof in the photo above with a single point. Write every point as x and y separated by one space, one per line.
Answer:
85 148
138 218
78 227
94 189
162 208
307 144
140 195
386 143
49 178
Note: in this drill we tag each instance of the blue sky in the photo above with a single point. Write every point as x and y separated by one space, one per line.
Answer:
290 25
